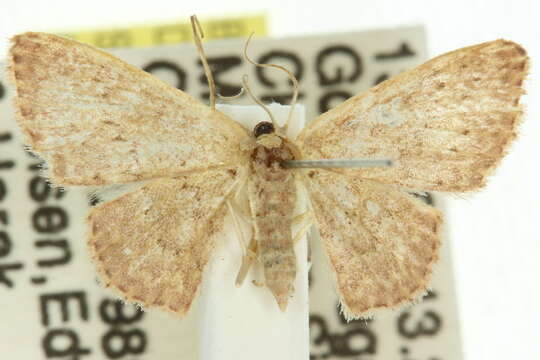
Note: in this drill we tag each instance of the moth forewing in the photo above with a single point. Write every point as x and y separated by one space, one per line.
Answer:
446 124
97 120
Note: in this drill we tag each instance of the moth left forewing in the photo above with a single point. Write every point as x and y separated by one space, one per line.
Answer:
381 242
152 245
446 124
97 120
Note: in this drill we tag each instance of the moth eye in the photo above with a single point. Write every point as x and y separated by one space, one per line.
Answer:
264 127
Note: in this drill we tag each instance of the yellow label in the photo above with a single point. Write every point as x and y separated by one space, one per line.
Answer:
171 33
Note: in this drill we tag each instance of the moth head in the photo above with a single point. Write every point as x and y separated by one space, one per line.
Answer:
262 128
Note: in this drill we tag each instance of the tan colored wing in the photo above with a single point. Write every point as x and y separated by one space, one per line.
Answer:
97 120
446 123
152 244
381 242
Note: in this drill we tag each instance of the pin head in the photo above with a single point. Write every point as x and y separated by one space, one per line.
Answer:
264 127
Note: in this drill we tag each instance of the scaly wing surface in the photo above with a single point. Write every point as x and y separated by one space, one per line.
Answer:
97 120
152 244
446 124
381 242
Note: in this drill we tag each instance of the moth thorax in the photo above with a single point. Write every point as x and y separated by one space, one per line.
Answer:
271 151
270 141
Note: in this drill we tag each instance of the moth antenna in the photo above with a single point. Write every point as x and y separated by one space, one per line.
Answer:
259 102
289 74
198 35
233 97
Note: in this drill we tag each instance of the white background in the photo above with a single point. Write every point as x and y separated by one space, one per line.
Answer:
495 242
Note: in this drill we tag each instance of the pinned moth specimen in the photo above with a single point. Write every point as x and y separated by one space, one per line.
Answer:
98 121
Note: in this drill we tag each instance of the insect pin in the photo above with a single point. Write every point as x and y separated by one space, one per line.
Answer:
97 121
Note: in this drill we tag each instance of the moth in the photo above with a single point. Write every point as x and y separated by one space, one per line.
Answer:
99 121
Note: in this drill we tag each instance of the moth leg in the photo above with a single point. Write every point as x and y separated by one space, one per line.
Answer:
249 258
241 183
305 220
240 210
300 218
250 252
258 283
237 227
239 204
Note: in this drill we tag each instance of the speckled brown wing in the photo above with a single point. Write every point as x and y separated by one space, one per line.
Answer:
381 242
152 245
446 124
97 120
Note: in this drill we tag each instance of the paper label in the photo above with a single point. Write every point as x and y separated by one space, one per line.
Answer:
170 33
52 306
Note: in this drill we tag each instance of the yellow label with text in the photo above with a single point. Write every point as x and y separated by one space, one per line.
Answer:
170 33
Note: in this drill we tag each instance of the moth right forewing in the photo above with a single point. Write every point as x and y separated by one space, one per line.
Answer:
97 120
